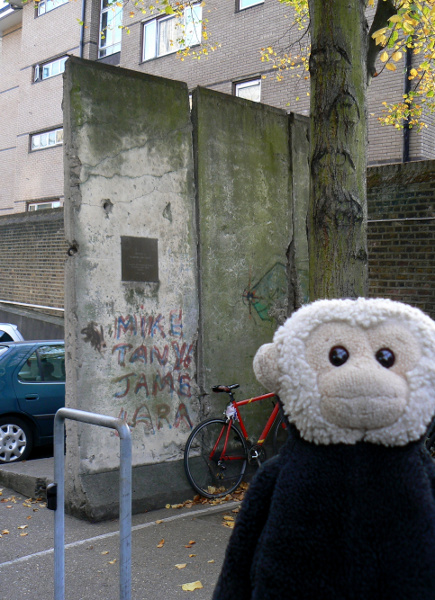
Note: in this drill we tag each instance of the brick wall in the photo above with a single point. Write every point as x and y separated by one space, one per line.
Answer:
401 201
32 255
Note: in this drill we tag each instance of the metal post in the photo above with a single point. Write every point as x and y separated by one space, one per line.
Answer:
124 497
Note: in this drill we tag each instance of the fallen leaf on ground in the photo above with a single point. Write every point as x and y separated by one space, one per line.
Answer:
210 561
181 565
23 534
228 518
112 562
159 521
190 587
23 527
192 555
161 544
105 552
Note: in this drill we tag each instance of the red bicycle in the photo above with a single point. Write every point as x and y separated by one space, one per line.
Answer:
218 449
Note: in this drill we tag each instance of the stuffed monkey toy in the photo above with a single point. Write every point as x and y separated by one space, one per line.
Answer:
346 511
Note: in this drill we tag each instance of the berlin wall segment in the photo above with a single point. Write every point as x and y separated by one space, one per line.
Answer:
131 328
245 185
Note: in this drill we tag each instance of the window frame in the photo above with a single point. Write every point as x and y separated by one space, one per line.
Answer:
107 49
47 132
38 69
247 83
43 204
253 3
156 23
41 7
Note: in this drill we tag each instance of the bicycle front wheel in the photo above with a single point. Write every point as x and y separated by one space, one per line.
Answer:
212 469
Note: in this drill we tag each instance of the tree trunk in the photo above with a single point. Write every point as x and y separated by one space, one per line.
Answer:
337 217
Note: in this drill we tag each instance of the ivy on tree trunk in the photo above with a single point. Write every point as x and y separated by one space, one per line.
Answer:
337 216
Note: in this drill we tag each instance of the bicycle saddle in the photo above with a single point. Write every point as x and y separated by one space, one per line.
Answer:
225 388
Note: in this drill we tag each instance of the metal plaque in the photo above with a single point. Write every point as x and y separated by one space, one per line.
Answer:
139 259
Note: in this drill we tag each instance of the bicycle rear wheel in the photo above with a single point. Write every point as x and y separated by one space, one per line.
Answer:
280 434
209 473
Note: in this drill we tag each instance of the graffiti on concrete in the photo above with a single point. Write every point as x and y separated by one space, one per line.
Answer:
154 365
162 416
269 295
95 336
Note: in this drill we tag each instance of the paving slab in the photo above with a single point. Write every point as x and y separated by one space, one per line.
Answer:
195 537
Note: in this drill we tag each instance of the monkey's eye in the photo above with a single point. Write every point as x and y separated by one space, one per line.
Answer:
385 357
338 356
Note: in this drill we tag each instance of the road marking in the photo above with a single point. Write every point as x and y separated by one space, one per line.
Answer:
104 536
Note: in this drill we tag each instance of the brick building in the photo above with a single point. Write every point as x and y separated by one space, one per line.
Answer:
36 39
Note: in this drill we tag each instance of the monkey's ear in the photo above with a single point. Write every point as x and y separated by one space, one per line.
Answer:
266 366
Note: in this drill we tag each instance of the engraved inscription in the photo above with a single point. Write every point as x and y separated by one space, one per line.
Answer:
139 259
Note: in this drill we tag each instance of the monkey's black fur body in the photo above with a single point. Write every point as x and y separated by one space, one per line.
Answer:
335 522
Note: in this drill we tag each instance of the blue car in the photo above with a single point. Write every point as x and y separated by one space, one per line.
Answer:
32 389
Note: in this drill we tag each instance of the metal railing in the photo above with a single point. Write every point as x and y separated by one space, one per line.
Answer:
125 497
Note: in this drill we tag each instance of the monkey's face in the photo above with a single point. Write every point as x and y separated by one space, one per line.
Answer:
354 370
362 373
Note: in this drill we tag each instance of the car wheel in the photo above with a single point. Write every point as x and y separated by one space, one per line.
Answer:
16 440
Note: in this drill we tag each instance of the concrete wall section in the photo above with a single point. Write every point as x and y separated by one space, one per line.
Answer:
245 226
129 166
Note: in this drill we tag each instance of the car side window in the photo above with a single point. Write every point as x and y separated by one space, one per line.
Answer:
45 364
5 337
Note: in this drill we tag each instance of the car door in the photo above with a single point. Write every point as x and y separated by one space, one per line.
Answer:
39 383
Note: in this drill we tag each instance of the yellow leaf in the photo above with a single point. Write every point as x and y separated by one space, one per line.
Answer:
181 566
161 544
395 19
379 33
384 56
228 518
390 67
210 561
396 55
190 555
23 534
112 562
159 521
190 587
23 527
105 552
413 73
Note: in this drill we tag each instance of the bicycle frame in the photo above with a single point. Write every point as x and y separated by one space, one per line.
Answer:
236 404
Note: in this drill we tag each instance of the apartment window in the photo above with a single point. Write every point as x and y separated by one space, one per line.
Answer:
43 205
40 141
250 90
110 28
49 69
45 6
247 3
169 34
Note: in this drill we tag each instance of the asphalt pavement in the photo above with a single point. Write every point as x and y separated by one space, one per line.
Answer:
171 547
